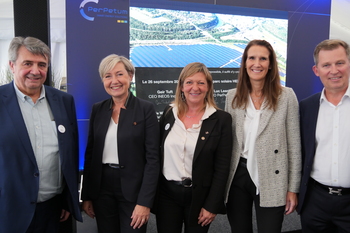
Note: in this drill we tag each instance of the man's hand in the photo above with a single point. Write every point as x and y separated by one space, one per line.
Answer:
64 215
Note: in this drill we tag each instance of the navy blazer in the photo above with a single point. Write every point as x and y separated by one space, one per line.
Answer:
308 119
138 150
19 174
211 161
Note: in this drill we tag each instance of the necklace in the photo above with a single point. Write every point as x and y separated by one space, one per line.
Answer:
256 99
192 116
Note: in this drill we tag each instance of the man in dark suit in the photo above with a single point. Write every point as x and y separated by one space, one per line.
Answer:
324 199
38 145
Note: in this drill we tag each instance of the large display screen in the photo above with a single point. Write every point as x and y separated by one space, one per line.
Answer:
163 41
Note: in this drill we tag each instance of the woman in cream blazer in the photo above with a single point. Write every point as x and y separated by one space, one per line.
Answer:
266 158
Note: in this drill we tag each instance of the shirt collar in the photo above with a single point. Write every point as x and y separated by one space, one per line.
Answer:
209 110
323 96
24 97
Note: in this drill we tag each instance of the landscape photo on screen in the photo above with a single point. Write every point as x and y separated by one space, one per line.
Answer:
170 39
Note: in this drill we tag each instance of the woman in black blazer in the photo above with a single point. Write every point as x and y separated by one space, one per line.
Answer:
122 156
196 143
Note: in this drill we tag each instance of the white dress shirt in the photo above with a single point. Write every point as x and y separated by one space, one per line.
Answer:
332 156
179 147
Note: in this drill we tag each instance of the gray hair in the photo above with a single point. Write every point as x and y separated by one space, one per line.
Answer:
33 45
109 62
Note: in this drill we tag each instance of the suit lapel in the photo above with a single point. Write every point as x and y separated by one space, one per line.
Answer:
206 130
311 117
264 120
239 127
55 104
11 103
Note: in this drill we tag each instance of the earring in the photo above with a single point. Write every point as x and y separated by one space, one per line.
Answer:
183 97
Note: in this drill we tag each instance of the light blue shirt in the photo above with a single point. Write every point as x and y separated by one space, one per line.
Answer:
41 128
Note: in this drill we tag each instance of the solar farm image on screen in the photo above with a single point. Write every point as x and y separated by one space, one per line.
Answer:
174 38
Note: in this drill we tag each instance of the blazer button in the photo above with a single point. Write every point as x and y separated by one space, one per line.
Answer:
277 171
36 174
121 167
276 151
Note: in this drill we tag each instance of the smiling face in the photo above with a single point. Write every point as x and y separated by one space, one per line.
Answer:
333 68
195 89
29 72
117 81
257 63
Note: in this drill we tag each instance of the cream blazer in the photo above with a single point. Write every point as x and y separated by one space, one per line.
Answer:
277 148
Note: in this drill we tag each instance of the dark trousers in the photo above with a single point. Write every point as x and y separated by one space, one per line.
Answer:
174 206
242 195
113 212
47 216
325 213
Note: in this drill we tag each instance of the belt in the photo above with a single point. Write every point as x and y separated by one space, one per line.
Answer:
112 165
242 162
186 182
333 190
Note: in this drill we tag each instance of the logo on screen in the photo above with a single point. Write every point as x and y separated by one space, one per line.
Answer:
82 12
89 12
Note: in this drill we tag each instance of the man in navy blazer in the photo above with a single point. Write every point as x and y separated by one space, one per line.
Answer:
324 198
38 145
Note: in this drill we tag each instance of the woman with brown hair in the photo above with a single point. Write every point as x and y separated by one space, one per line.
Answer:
266 159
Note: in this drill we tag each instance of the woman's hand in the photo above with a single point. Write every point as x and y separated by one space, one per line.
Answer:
139 216
205 217
88 208
291 203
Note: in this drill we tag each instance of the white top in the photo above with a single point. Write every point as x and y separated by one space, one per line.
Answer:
179 147
332 156
110 149
251 125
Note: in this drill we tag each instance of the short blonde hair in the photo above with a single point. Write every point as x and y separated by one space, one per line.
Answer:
109 62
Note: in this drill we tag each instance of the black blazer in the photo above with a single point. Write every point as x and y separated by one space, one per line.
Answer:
308 119
211 161
138 150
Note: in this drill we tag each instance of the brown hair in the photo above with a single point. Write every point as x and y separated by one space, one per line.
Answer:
330 45
272 85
